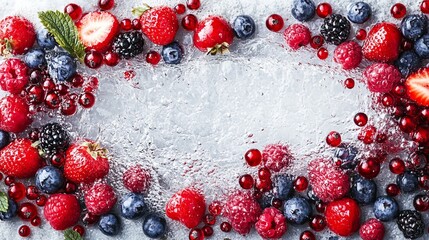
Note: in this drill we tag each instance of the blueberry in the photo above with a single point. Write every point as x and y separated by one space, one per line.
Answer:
421 46
266 200
154 226
359 12
244 27
303 10
297 210
45 39
363 190
109 224
133 206
408 182
12 210
385 208
282 186
4 139
35 58
408 62
61 65
414 26
172 53
346 153
312 196
49 179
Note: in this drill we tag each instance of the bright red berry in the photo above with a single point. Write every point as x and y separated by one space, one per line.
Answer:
225 227
93 59
348 54
317 41
424 7
300 184
20 159
68 106
17 35
209 219
398 10
323 10
186 206
382 43
360 119
372 229
361 34
41 200
13 75
79 229
17 191
111 58
322 53
392 190
74 11
397 166
208 231
215 208
126 24
189 22
32 192
153 57
27 211
87 100
137 179
242 211
106 4
349 83
307 235
213 35
264 173
62 211
52 100
421 202
276 157
296 36
274 23
14 114
343 216
159 24
100 199
271 224
36 221
318 223
253 157
136 24
333 139
381 77
369 169
24 231
246 181
89 219
196 234
180 8
193 4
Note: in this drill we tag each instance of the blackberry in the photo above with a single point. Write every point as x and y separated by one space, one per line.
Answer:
129 44
411 224
53 138
335 29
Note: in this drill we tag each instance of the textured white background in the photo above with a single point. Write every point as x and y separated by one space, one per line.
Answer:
190 124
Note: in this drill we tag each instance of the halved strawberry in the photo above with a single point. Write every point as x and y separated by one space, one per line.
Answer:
97 30
417 85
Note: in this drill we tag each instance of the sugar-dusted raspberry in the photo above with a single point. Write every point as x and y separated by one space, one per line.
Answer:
136 179
297 35
348 54
276 157
372 229
271 223
100 199
329 182
380 77
242 211
13 75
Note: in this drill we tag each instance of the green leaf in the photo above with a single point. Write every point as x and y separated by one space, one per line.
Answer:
62 27
4 202
70 234
138 11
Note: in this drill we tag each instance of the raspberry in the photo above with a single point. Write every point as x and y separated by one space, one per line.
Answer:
13 75
276 157
136 179
380 77
100 199
186 206
271 223
343 216
328 181
372 229
348 54
297 35
14 114
242 211
62 211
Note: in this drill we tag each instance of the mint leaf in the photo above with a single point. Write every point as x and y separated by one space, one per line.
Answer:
4 202
70 234
62 27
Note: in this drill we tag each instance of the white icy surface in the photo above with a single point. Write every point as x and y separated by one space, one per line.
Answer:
190 124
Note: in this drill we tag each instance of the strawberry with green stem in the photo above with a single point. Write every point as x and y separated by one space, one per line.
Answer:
17 35
213 35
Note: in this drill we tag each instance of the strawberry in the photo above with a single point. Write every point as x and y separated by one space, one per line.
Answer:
14 114
100 199
17 35
383 43
417 85
343 216
62 211
159 24
20 159
97 30
186 206
85 162
213 35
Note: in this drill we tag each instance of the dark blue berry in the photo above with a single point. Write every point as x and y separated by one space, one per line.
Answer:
363 190
61 66
359 12
109 224
421 46
282 186
385 208
35 58
303 10
49 179
408 62
154 226
297 210
312 196
414 26
408 182
4 139
45 39
346 153
11 212
266 200
172 53
133 206
244 27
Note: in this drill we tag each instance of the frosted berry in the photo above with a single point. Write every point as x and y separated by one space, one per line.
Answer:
136 179
380 77
74 11
372 229
398 10
209 219
100 199
271 224
274 23
215 208
27 211
323 10
276 157
296 36
196 234
246 181
348 54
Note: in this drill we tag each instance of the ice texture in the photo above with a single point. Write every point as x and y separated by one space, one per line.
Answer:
190 124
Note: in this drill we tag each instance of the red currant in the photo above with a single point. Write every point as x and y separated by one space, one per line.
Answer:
70 187
126 24
253 157
35 94
87 100
74 11
36 76
189 22
62 89
41 200
24 231
387 100
424 114
277 203
361 119
48 84
361 34
421 135
367 134
323 10
52 100
136 24
322 53
9 180
300 184
397 166
93 59
196 234
333 139
77 81
79 229
407 124
246 181
111 58
91 85
208 231
421 203
320 207
424 7
209 219
424 182
180 8
89 219
225 227
407 45
17 191
36 221
369 169
32 192
106 4
392 190
349 83
215 208
317 41
318 223
33 135
68 106
193 4
263 185
153 57
274 23
27 211
307 235
264 173
398 10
